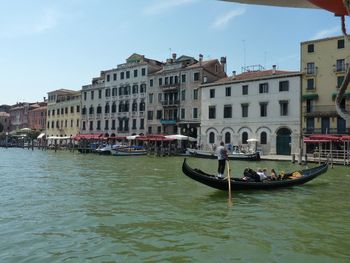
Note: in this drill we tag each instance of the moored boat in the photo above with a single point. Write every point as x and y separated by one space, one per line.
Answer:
239 184
254 156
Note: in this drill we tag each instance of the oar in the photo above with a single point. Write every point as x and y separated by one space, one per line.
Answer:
229 183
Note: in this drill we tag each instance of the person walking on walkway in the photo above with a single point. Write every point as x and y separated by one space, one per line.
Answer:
222 157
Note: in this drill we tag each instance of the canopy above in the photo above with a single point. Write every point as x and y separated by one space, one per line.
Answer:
58 138
41 135
181 137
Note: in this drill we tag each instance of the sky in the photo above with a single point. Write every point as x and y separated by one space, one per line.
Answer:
47 45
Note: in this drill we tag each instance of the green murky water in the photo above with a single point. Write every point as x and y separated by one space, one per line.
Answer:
65 207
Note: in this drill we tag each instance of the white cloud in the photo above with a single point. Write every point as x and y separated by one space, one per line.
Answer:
165 5
327 32
223 20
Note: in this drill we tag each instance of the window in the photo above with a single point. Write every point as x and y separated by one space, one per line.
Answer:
133 124
183 94
98 125
159 114
150 115
99 109
245 90
128 74
195 113
310 68
228 91
244 137
150 98
143 72
108 93
142 124
106 125
115 76
212 112
84 126
99 93
107 108
212 93
284 85
71 123
309 105
227 111
121 75
114 92
149 130
244 110
340 80
160 81
78 109
151 82
160 95
83 111
264 88
310 84
85 95
263 138
135 73
92 94
227 137
183 78
159 129
183 115
135 89
72 109
263 109
211 137
340 65
166 80
108 78
114 108
341 43
195 94
91 126
196 76
143 88
310 48
113 124
284 108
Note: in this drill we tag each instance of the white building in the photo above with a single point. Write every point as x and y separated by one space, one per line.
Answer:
263 104
115 103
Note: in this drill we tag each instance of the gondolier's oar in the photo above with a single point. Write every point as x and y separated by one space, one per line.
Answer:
229 183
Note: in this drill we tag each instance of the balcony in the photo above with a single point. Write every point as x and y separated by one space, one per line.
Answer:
340 68
171 103
169 87
309 131
320 111
168 121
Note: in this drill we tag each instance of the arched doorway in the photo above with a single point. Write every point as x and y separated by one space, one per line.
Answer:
283 142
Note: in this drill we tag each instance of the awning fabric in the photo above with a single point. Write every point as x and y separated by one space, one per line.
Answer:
310 96
41 135
58 138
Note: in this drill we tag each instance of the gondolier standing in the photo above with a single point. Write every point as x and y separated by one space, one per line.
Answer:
222 157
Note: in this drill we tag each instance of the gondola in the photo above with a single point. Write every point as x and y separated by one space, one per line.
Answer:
255 156
239 184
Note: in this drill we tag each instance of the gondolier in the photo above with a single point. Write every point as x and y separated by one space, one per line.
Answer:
222 157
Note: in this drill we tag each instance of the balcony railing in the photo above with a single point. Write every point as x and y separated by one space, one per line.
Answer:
324 110
173 86
311 71
309 131
341 68
171 103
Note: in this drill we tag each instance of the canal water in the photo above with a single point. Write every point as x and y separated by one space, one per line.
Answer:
69 207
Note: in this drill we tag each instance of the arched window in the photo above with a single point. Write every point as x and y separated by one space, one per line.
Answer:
99 109
134 106
126 106
107 108
263 138
121 107
142 105
84 110
227 137
244 137
212 137
114 107
91 110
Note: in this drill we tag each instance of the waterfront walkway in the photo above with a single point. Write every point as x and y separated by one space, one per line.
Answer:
309 159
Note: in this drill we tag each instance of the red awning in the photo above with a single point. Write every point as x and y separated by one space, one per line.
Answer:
309 140
345 138
329 137
88 137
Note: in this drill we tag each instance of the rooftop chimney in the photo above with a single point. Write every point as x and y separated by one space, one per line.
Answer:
223 63
273 69
234 74
200 59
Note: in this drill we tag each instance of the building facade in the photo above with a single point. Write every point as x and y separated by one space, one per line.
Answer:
4 122
115 103
37 117
63 113
324 63
262 105
19 115
174 100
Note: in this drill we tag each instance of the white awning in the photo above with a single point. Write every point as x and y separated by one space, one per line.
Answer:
41 135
